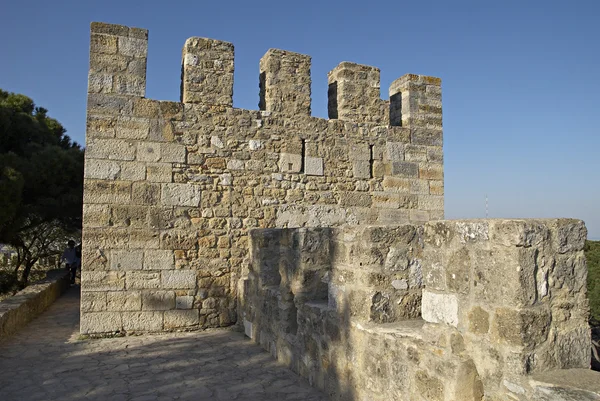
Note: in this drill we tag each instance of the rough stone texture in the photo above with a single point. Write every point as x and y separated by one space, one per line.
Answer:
428 310
207 72
450 310
175 187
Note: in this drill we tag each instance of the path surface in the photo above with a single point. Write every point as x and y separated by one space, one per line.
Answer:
47 361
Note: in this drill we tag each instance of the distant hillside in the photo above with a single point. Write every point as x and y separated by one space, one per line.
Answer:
592 254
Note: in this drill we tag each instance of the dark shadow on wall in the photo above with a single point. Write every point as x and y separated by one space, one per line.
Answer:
293 318
262 104
332 106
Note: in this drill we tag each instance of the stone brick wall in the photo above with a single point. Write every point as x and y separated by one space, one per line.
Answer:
172 188
448 310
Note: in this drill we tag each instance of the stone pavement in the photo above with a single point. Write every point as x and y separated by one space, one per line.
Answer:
48 361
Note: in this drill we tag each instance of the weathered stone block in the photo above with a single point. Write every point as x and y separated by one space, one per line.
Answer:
405 169
178 279
439 308
158 259
361 169
359 152
100 83
431 171
128 216
479 321
109 104
430 387
173 194
130 127
110 29
132 171
123 301
106 192
430 202
426 137
416 153
93 301
103 280
290 163
159 172
313 165
126 260
184 302
178 239
138 280
175 319
234 164
571 235
133 85
100 322
527 327
158 300
173 153
148 239
102 169
99 126
133 47
148 151
112 149
96 215
355 199
393 217
145 193
395 184
103 44
142 321
394 151
436 187
419 216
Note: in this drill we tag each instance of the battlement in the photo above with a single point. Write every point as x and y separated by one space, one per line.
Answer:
325 238
118 66
172 189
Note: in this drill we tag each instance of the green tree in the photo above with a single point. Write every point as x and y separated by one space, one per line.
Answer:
592 254
41 181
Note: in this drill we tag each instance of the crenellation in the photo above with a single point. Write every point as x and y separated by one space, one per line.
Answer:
173 189
285 83
207 72
354 94
416 102
118 57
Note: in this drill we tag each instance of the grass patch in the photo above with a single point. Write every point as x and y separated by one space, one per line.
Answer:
592 254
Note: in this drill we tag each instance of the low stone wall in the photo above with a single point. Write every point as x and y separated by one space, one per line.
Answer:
18 310
450 310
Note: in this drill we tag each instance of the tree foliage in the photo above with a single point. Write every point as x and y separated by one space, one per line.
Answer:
41 178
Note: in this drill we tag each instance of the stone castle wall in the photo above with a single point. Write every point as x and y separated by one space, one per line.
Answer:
172 188
450 310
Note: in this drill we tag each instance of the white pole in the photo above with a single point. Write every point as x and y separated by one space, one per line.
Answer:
486 206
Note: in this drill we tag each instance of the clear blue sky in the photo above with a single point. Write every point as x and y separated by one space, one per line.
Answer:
520 79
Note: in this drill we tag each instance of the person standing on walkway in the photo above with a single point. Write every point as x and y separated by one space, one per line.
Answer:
70 258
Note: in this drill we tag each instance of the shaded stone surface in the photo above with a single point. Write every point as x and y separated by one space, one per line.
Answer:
48 360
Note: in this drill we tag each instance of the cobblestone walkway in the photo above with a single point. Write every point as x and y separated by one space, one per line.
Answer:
47 361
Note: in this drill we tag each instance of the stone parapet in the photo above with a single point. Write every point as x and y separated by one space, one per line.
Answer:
448 310
21 308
